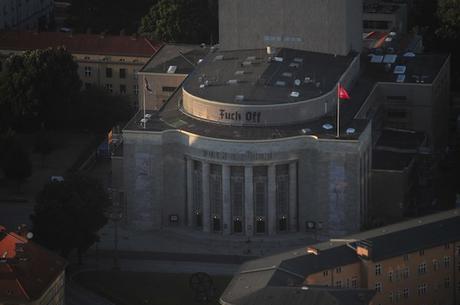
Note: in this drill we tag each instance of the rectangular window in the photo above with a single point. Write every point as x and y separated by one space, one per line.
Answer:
447 282
325 273
354 282
390 276
406 293
122 89
421 252
136 89
87 86
338 269
168 89
215 190
109 87
421 289
338 284
422 268
378 269
406 257
435 265
87 71
378 287
135 74
122 73
446 261
197 192
108 72
447 246
405 273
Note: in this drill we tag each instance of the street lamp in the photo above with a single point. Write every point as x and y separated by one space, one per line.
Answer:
115 214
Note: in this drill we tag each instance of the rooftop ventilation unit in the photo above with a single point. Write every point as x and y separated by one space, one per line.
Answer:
308 80
239 72
306 130
350 131
401 78
246 63
399 70
200 61
294 65
390 59
298 60
388 39
294 94
278 59
232 82
376 59
148 116
172 69
409 54
219 57
144 120
239 98
328 126
287 74
250 58
280 83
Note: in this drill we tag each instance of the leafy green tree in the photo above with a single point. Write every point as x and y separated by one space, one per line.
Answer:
182 21
98 111
38 87
69 214
448 13
16 163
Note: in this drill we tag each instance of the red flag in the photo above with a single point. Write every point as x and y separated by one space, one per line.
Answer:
343 94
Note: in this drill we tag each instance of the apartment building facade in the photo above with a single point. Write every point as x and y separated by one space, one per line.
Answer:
410 263
107 61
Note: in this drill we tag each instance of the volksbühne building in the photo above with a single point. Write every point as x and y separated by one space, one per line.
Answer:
247 143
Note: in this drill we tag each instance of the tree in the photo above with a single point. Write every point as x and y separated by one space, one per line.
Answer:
99 111
16 163
182 21
448 13
38 87
69 214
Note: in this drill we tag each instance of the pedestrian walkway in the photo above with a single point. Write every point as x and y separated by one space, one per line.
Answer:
185 240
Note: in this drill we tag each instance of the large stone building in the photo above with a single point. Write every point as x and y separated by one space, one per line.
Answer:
414 262
245 139
107 61
29 274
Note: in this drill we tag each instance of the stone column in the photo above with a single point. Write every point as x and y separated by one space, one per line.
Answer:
190 192
226 209
249 200
293 197
206 202
271 219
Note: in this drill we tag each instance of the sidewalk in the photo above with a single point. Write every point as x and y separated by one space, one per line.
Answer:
184 240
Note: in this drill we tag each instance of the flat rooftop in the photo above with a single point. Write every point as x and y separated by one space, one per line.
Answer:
266 79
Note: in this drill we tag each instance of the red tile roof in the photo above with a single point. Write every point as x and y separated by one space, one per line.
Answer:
80 43
26 276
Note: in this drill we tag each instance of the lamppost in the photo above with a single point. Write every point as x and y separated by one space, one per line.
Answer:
115 214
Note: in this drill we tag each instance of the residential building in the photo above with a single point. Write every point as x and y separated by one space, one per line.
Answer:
412 262
107 61
29 274
26 14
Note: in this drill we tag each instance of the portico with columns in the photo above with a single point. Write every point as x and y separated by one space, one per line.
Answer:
245 199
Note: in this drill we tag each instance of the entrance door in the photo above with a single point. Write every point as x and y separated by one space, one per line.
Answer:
237 226
216 224
260 226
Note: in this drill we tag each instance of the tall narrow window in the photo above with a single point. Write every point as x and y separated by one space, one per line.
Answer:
215 195
237 197
108 72
197 193
282 195
122 73
260 197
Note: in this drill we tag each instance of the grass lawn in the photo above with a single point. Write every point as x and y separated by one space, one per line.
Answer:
134 288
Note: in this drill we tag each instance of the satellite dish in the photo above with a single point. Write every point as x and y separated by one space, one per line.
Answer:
30 235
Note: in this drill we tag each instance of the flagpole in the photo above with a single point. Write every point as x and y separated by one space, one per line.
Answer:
145 121
338 110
